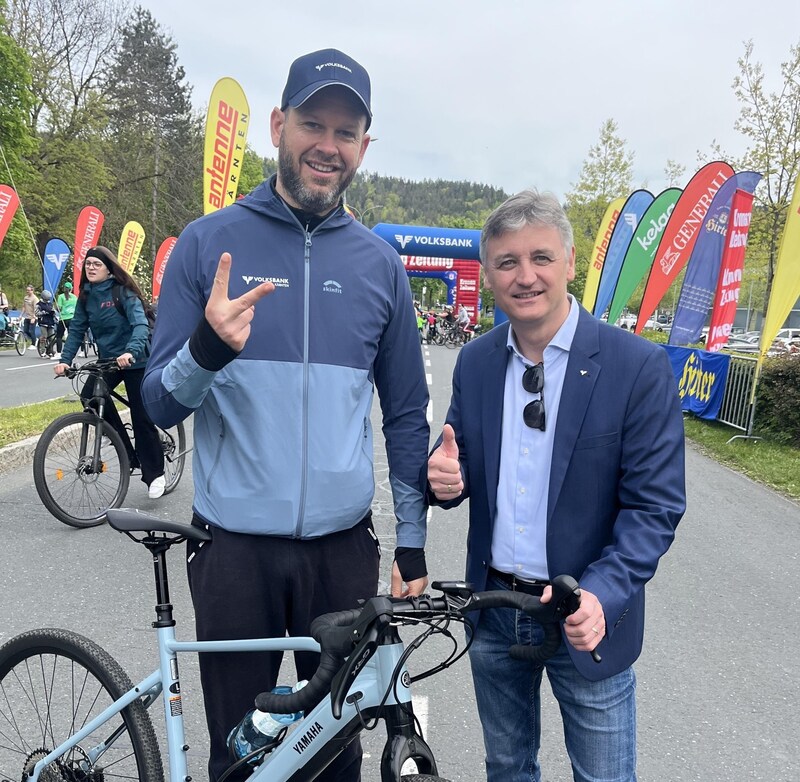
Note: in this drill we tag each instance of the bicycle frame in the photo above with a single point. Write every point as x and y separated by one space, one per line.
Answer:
318 734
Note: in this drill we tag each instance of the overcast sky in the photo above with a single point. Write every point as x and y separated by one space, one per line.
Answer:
504 92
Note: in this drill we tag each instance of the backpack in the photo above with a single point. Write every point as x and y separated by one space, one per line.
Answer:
116 295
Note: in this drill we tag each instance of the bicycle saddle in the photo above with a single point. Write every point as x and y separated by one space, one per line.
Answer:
132 520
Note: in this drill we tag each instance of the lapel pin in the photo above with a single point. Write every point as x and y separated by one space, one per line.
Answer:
584 372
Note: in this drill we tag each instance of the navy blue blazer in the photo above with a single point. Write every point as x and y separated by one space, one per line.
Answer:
617 487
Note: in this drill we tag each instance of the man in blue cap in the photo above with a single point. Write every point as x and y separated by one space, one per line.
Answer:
281 392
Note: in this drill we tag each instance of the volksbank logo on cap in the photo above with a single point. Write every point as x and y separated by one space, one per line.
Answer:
278 282
331 286
333 65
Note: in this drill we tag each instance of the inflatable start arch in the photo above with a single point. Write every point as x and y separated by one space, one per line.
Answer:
449 254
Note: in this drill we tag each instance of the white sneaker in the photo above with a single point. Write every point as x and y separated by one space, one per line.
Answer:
156 488
31 347
56 356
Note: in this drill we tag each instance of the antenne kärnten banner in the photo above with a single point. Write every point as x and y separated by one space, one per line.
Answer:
786 282
226 137
639 257
632 212
702 271
730 273
680 235
130 245
87 235
599 252
9 201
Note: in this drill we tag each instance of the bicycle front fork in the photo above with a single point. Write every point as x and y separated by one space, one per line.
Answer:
404 743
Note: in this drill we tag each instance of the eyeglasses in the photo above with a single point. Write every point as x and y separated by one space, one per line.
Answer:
93 264
533 383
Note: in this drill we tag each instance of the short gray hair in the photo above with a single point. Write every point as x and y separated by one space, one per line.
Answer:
530 207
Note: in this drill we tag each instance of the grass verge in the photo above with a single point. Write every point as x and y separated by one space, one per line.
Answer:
767 462
17 423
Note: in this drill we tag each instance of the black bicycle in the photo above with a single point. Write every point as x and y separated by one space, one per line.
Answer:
81 467
46 345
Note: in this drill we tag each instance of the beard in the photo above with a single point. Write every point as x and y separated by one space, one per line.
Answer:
317 200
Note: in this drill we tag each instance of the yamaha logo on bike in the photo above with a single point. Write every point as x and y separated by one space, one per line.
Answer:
405 679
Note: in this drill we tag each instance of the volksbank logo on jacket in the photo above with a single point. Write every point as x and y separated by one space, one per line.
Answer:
278 282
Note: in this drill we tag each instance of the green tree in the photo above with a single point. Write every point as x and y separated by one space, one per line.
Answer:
18 262
771 122
606 174
155 141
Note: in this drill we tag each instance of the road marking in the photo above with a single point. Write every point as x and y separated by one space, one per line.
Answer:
429 414
429 378
48 363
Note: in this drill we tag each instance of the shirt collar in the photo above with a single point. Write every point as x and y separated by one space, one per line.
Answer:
561 339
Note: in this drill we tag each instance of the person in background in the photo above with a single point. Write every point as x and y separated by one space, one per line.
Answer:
124 339
4 303
47 318
28 316
281 389
65 303
566 435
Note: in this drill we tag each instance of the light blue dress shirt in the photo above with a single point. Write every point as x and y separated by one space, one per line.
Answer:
519 541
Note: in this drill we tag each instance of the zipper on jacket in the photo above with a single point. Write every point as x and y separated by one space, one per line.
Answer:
298 531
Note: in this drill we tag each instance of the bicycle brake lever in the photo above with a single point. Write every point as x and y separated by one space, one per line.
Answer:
355 662
567 597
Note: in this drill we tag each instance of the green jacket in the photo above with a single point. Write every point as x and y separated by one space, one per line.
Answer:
113 333
66 305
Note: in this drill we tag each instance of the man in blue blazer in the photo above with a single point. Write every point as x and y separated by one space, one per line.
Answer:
566 435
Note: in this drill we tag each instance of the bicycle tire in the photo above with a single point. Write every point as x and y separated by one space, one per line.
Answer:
173 441
41 346
20 343
65 482
53 683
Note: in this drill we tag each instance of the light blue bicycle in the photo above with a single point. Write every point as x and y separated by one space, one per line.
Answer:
69 713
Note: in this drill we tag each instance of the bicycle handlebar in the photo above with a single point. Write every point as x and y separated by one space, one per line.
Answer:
349 638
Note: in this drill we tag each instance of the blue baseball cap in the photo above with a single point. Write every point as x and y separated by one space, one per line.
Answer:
327 67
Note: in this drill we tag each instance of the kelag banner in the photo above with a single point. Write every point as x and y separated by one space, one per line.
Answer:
730 276
599 252
701 379
162 256
632 212
639 257
702 271
56 255
87 235
226 137
681 234
786 283
130 245
9 201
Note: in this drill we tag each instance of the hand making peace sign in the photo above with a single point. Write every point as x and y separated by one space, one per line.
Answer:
230 318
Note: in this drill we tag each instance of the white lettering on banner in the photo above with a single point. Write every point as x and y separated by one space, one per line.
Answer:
720 331
741 219
657 227
91 232
418 261
728 296
731 275
435 241
738 239
5 200
57 260
631 220
466 285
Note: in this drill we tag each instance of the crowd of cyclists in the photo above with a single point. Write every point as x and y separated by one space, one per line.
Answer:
437 327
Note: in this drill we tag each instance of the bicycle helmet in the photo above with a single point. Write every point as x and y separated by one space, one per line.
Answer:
46 295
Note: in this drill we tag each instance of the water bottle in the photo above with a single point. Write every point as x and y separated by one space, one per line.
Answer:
259 728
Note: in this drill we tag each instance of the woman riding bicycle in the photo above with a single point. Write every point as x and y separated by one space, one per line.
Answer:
124 339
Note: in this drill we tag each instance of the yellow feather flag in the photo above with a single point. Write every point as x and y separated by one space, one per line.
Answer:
130 245
226 135
786 282
599 250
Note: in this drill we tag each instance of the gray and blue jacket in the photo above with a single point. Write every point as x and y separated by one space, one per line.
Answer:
283 443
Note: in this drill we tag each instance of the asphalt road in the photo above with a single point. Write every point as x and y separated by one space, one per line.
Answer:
28 378
718 693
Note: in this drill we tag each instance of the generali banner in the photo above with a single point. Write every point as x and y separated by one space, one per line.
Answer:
226 136
730 273
162 256
681 234
87 235
599 251
130 245
9 201
639 257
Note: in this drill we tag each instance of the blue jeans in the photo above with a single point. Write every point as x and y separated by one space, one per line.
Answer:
599 717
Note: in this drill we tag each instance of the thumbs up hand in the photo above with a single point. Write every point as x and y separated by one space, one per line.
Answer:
444 469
